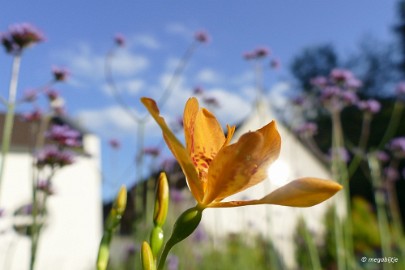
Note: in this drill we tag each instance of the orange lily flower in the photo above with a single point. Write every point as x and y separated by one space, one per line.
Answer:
216 169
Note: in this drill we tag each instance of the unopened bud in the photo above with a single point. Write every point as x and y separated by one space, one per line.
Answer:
156 240
161 200
148 263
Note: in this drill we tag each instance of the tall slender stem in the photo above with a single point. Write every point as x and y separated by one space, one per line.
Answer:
339 169
9 121
384 231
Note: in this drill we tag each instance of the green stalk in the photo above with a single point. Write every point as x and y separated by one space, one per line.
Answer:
339 170
9 121
385 235
313 252
183 228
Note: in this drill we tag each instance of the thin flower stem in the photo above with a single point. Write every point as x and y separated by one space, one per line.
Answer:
9 121
384 231
339 169
313 252
364 136
393 123
176 74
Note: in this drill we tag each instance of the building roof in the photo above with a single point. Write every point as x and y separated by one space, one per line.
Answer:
23 135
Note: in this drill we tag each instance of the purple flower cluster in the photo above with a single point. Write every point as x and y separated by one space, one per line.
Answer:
400 89
202 36
340 153
63 135
397 147
19 37
114 144
33 116
53 156
45 186
60 74
151 151
308 129
371 106
338 89
258 53
119 40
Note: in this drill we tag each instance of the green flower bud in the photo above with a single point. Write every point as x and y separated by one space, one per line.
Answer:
117 210
186 225
148 262
156 240
161 200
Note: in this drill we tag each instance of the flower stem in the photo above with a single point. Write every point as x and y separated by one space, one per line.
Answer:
384 231
185 225
9 121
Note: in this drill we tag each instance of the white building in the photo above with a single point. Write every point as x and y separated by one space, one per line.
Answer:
73 226
275 222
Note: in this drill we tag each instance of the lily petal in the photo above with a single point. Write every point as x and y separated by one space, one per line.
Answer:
303 192
177 149
203 133
243 164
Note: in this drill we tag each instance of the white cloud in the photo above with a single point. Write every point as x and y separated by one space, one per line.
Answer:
232 107
108 122
87 65
179 29
126 63
145 40
208 75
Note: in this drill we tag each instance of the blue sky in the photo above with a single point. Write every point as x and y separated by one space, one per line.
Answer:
79 34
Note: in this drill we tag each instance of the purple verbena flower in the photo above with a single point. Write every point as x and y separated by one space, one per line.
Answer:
370 106
52 156
391 174
172 262
151 151
330 92
248 55
275 63
114 143
298 100
319 81
341 75
397 146
120 40
400 89
64 135
211 101
176 195
33 116
60 74
30 95
202 36
354 83
168 164
45 186
382 156
19 37
52 94
349 97
198 90
261 52
340 153
308 129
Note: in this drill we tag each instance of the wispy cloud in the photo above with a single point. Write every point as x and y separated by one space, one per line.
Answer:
145 40
87 65
179 29
209 76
